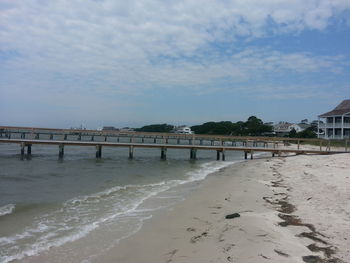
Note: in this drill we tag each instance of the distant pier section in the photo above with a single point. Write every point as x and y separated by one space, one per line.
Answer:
26 137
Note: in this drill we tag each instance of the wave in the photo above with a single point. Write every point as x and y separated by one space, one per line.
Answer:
7 209
81 215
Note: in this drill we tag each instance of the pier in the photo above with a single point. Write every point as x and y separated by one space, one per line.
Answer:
26 137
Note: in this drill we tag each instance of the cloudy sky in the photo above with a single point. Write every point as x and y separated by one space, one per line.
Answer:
65 63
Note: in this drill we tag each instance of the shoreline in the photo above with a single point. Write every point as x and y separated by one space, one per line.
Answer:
274 224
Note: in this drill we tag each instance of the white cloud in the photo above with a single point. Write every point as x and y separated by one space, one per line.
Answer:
127 46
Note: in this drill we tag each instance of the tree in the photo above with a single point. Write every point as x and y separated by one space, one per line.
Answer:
292 133
307 133
253 126
156 128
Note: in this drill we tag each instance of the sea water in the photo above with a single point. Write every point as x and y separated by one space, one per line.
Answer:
75 209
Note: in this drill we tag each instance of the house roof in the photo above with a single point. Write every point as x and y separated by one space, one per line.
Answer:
282 127
342 108
303 125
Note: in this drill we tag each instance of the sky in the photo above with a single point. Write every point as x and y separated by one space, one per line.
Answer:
66 63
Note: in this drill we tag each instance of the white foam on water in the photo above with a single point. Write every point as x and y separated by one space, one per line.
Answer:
81 215
7 209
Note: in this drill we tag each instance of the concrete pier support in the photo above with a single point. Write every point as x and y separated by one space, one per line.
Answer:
346 146
22 148
193 154
98 151
163 153
217 155
60 151
29 149
131 152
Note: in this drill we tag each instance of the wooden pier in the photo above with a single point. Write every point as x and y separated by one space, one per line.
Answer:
26 137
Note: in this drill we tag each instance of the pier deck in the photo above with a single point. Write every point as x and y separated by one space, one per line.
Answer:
193 148
28 136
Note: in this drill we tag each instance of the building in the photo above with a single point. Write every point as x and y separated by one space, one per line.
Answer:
336 122
109 128
282 129
183 130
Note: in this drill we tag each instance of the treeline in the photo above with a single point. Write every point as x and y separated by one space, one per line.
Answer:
156 128
252 127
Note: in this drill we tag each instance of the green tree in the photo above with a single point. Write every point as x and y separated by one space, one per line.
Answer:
292 133
156 128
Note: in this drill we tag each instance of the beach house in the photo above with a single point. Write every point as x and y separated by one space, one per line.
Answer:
282 129
336 124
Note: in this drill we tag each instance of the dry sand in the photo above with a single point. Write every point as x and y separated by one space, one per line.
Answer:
292 209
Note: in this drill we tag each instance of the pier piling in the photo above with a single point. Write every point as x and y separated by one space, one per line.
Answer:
223 155
193 154
29 149
98 151
131 152
60 151
22 149
163 153
217 155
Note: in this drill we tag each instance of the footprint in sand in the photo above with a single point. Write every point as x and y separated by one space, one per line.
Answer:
195 239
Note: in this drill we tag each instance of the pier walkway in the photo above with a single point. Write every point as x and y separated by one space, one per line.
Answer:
26 137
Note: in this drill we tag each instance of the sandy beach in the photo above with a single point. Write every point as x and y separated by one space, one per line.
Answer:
291 209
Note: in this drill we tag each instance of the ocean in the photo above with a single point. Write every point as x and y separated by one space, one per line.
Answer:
75 209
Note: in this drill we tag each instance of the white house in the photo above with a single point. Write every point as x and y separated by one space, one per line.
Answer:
283 128
183 130
336 122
